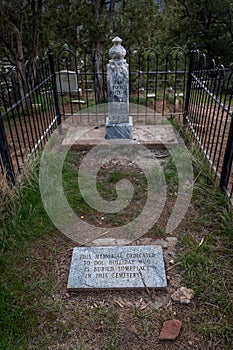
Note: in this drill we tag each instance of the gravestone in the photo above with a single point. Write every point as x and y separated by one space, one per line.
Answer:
127 267
66 81
119 123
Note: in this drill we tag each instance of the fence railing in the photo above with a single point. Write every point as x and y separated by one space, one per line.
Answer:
156 81
209 113
28 114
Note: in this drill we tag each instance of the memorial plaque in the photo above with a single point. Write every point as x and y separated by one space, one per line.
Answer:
129 267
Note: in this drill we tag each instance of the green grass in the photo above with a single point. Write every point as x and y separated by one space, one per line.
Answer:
25 232
108 318
206 260
107 178
30 244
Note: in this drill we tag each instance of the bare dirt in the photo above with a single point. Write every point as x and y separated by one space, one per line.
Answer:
124 319
115 319
119 320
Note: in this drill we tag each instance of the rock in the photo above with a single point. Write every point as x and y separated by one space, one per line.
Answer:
170 330
183 295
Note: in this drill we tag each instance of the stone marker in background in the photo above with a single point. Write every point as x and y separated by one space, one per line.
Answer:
118 124
67 81
131 267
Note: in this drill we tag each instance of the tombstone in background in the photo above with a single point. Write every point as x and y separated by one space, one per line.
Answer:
119 123
66 81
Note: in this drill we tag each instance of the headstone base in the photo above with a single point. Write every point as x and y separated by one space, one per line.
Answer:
119 130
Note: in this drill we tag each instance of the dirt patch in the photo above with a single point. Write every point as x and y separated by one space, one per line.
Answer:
117 319
125 319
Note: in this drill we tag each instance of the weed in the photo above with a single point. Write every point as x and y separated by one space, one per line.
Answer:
170 172
157 231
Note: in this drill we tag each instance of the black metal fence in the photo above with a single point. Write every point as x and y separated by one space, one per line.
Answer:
209 112
28 114
156 81
49 90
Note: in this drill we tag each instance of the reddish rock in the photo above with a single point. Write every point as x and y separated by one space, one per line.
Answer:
170 330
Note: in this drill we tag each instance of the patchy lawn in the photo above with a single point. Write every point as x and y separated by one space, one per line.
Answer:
38 313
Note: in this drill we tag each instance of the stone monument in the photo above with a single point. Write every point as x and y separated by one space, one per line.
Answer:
119 123
66 81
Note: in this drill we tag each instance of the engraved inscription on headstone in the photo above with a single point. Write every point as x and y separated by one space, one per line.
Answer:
130 267
118 123
118 84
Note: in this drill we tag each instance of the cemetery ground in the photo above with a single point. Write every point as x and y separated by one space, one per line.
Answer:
36 310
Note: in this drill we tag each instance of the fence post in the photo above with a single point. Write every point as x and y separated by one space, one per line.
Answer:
189 82
228 158
54 86
5 154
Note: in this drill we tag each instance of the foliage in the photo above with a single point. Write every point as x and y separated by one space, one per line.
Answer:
20 29
207 23
137 24
28 27
91 24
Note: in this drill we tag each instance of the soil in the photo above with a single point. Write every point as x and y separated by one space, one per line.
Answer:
124 319
119 320
213 136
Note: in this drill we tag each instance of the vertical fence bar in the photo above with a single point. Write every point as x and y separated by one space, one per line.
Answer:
189 81
54 86
228 158
5 154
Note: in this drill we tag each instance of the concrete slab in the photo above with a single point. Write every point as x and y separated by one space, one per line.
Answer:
81 137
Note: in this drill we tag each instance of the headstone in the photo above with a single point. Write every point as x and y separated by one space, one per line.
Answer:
131 267
67 81
118 124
